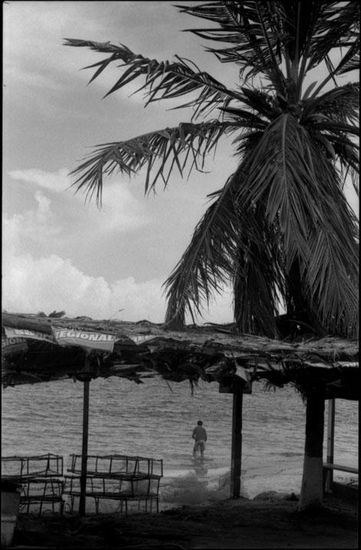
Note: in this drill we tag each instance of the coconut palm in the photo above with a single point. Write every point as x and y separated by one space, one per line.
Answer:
280 227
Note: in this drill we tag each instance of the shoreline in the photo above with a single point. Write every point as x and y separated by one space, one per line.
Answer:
270 520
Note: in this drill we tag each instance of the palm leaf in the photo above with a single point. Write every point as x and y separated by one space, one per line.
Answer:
258 274
263 35
335 28
351 61
163 80
223 234
245 25
207 262
186 145
341 104
291 161
332 120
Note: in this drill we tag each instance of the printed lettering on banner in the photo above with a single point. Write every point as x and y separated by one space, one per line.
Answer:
13 345
28 334
93 340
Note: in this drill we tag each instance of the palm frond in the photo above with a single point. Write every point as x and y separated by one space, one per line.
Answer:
274 177
244 119
258 274
250 29
348 156
207 262
341 104
264 35
336 28
332 290
332 269
163 79
260 101
332 120
225 233
286 160
185 146
351 60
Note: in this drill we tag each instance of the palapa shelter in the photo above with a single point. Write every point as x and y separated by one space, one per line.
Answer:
39 348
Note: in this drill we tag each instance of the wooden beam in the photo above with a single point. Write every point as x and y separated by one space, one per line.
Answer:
332 466
84 450
312 478
236 459
330 443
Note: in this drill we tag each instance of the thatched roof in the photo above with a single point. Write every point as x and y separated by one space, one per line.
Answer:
212 353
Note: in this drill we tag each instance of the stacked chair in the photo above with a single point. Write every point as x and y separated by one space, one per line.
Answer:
132 481
40 479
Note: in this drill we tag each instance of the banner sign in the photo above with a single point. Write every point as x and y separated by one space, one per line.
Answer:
31 334
13 345
85 339
63 337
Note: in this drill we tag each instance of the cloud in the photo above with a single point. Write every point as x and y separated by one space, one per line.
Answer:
55 182
32 283
33 36
48 283
37 66
37 279
121 211
33 226
52 283
35 58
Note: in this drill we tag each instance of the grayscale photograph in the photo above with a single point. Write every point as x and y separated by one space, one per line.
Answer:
180 274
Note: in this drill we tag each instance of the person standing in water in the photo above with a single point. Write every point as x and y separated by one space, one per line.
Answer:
200 437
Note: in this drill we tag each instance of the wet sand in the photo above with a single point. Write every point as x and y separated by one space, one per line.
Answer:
269 521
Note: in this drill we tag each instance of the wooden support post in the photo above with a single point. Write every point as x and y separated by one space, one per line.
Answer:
312 479
84 450
330 443
236 442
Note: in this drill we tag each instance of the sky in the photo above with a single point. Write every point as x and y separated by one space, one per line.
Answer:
58 252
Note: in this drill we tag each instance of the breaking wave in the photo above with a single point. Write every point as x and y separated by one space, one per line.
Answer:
199 486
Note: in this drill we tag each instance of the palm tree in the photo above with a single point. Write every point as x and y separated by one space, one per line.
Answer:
280 227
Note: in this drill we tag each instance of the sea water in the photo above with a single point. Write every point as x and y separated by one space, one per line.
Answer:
156 419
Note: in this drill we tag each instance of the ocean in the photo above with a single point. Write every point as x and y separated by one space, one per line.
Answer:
155 419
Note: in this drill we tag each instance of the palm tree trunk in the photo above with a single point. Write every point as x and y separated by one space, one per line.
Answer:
312 481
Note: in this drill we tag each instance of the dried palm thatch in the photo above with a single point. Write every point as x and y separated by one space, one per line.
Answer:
218 353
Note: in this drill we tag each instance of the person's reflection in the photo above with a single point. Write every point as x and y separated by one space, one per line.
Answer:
200 468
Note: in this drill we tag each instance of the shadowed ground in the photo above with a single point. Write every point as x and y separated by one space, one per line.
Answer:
270 521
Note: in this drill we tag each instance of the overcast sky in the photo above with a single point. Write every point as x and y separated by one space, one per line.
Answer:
58 252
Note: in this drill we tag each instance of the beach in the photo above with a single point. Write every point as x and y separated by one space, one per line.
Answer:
156 419
195 508
270 521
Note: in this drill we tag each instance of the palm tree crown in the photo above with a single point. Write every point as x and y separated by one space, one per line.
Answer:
280 227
